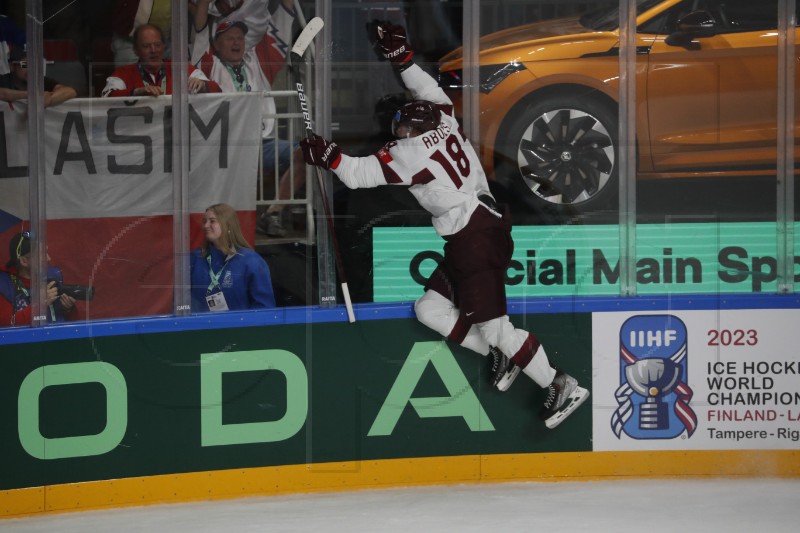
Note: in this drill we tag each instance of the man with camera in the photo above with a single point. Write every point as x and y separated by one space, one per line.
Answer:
15 294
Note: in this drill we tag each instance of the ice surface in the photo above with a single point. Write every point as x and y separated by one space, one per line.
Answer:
730 505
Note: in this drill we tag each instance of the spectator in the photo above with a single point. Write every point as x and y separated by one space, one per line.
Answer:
14 85
226 273
15 284
260 16
128 16
10 37
237 68
152 75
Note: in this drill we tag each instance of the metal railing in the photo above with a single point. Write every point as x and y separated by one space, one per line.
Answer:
299 202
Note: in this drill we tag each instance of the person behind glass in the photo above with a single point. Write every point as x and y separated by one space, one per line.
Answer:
237 68
226 273
152 74
11 36
15 287
465 298
14 85
261 17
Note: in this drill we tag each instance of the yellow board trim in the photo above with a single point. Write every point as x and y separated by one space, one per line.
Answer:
265 481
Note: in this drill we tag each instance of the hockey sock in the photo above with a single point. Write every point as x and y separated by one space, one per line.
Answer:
539 369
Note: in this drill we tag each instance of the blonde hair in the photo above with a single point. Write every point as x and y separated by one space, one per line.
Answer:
232 238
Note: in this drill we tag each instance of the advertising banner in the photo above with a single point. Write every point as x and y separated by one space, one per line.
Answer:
112 157
700 258
101 408
696 380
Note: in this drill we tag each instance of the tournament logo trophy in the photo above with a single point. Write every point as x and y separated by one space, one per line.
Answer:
653 397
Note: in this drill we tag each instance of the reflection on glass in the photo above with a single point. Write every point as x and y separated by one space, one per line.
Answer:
547 93
709 121
243 49
548 111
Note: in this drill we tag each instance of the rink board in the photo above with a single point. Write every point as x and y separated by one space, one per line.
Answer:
178 409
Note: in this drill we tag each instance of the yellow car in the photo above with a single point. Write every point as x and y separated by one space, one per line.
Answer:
706 93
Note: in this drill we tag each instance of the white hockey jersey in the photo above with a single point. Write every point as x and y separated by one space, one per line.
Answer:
440 167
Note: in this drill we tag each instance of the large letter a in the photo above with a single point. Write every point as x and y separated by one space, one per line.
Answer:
461 402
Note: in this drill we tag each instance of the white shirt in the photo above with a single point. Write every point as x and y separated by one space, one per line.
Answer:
256 81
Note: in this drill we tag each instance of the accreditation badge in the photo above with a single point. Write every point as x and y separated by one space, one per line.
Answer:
216 302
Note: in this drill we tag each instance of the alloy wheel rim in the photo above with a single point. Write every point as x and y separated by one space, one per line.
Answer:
566 156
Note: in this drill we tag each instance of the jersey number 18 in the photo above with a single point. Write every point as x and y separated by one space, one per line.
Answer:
457 156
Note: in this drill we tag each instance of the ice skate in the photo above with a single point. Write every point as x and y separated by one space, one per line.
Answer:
503 371
563 397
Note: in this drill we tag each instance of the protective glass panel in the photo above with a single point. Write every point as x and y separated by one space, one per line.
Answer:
247 187
366 93
542 107
707 147
544 116
104 172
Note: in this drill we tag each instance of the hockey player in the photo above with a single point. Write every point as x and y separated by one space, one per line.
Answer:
465 298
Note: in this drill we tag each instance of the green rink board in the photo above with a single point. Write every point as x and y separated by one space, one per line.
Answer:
574 260
188 401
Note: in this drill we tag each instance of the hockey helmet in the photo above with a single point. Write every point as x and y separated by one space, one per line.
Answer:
416 117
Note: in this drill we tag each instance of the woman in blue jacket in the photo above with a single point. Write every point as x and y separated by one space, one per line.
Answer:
227 274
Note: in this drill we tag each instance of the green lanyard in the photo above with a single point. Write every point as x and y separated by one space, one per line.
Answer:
215 275
162 73
239 77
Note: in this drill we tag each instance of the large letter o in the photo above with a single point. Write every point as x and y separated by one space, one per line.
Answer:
34 383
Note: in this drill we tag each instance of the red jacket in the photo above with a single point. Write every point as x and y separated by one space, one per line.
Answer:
131 79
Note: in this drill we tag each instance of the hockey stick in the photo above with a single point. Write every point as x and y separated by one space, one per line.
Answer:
311 29
296 56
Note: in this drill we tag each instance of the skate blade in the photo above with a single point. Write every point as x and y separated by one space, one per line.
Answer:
574 401
507 379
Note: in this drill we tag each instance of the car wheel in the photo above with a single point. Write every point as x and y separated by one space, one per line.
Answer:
560 155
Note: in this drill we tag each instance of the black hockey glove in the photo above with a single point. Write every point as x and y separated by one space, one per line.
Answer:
319 152
391 41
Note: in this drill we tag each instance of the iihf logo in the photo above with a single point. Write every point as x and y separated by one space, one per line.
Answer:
653 397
